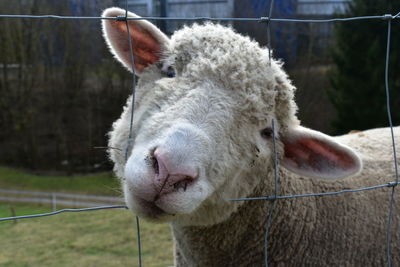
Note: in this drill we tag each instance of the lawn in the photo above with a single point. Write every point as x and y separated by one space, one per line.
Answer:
96 238
96 184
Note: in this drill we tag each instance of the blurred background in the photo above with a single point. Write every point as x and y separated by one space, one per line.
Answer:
60 91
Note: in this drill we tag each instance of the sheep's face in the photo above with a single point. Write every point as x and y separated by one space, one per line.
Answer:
186 155
202 121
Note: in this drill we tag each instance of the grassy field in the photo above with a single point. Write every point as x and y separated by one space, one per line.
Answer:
95 238
96 184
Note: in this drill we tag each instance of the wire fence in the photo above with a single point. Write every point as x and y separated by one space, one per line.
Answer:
274 198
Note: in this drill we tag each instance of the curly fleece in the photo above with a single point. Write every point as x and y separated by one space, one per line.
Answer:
346 230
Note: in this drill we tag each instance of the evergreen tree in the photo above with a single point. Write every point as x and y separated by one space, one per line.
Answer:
358 82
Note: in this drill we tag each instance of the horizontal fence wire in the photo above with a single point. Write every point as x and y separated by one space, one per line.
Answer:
260 19
62 211
391 184
276 196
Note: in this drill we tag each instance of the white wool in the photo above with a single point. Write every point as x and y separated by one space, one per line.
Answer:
211 116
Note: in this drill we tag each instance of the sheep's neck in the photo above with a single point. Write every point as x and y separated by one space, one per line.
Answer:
220 245
301 233
238 241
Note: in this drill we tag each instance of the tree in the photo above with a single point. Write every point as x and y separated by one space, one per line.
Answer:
60 90
358 82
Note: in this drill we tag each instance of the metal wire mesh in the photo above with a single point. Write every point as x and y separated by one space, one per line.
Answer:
216 19
388 17
130 141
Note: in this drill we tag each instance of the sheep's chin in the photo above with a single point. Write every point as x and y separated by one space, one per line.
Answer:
169 207
147 210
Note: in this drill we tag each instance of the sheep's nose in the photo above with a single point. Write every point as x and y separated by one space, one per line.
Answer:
172 172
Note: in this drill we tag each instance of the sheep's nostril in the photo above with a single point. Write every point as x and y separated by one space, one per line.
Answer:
171 173
155 165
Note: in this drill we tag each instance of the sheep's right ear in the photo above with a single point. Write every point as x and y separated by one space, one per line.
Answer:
148 42
316 155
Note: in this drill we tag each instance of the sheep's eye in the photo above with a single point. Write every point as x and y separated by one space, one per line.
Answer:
170 72
266 133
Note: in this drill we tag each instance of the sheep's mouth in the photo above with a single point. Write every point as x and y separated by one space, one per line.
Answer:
149 209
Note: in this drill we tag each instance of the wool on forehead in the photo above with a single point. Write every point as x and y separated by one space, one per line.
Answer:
215 52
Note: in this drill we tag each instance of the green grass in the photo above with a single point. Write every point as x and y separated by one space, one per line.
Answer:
95 184
97 238
6 210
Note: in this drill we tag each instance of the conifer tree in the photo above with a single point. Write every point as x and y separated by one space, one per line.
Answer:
358 84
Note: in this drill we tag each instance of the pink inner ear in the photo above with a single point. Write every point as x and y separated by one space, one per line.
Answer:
146 48
315 155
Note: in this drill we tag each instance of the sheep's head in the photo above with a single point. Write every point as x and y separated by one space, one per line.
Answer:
202 125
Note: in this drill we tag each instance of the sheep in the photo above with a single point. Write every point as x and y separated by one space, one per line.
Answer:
206 99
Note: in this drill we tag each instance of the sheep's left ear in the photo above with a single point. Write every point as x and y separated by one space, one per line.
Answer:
148 42
314 154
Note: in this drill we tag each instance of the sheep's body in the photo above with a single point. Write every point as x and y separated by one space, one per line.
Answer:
197 144
344 230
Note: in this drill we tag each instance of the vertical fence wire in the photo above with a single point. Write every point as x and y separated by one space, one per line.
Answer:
392 191
130 141
276 178
271 7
